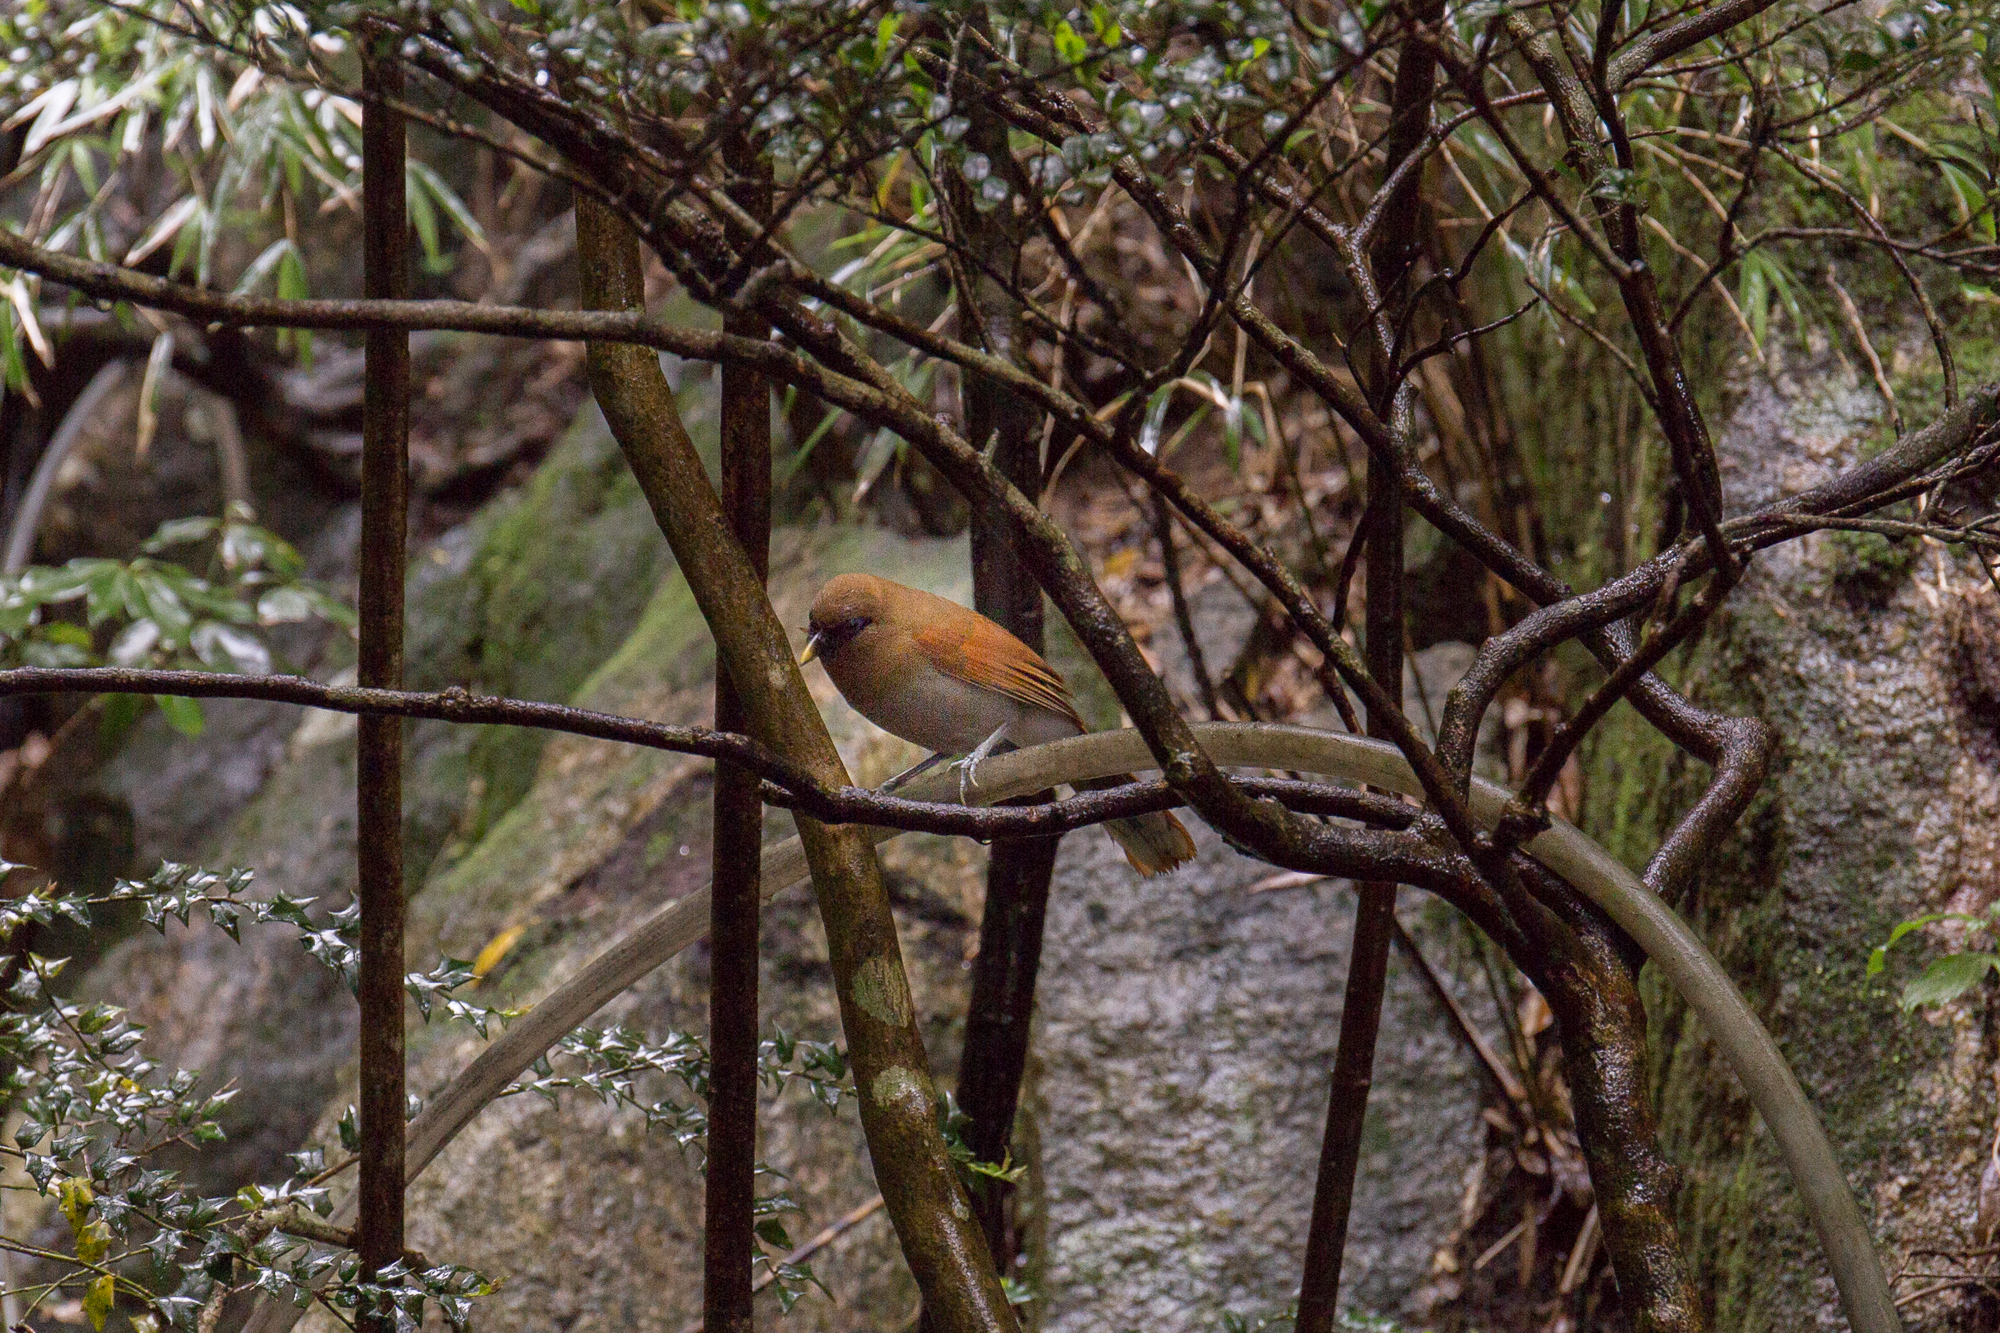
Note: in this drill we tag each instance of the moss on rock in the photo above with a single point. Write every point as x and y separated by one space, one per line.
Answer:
1875 811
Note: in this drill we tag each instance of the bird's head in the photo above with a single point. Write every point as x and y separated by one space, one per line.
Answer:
846 606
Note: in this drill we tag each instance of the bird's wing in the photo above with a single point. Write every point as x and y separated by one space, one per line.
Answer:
981 653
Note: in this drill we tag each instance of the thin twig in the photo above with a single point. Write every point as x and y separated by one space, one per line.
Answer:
1860 331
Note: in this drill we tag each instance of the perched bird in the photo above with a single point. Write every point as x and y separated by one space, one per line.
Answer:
952 681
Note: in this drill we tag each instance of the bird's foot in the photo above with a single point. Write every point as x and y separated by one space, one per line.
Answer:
968 767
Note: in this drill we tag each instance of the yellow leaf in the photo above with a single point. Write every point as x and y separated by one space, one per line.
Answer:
76 1201
497 948
98 1299
93 1242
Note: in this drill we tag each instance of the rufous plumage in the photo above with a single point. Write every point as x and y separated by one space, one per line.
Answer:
949 679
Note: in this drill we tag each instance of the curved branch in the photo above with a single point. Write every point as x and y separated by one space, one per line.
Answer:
1872 481
839 375
1643 52
900 1110
20 546
1666 939
787 786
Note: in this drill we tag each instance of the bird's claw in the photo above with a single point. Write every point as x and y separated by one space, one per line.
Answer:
968 767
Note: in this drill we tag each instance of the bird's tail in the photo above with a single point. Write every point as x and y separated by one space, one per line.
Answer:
1154 843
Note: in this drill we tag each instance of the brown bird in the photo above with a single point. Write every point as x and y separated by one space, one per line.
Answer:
952 681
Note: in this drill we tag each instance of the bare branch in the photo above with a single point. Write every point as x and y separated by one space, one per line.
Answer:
1649 49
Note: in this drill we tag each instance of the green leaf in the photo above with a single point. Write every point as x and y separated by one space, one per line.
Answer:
260 268
93 1240
1070 47
284 606
448 200
885 35
1947 978
1751 296
423 220
183 715
60 585
12 359
1156 417
162 601
1914 923
225 648
247 546
75 1198
133 645
120 712
292 284
332 608
41 653
179 532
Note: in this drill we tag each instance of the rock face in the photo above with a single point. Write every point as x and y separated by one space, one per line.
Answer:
1185 1037
1179 1076
1870 662
500 605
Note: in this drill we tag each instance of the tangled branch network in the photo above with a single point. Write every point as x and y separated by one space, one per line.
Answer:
1667 940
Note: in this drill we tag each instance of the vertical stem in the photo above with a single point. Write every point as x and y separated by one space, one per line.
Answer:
1591 984
729 1238
1000 1017
1001 1012
1347 1105
1375 911
1170 562
385 432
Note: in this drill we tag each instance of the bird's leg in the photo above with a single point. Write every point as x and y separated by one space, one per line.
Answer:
913 771
968 767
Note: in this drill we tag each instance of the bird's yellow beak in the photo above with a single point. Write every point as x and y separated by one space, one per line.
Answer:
812 650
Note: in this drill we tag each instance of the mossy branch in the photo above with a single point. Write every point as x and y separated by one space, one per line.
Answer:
899 1105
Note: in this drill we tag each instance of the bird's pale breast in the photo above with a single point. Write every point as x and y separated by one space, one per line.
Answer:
940 712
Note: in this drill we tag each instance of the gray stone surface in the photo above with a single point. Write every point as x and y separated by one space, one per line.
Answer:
1186 1032
1183 1044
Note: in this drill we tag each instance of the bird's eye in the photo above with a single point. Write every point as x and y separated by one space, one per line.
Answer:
841 632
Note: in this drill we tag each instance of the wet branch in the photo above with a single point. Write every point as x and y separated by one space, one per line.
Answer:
729 1241
1000 1013
385 435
